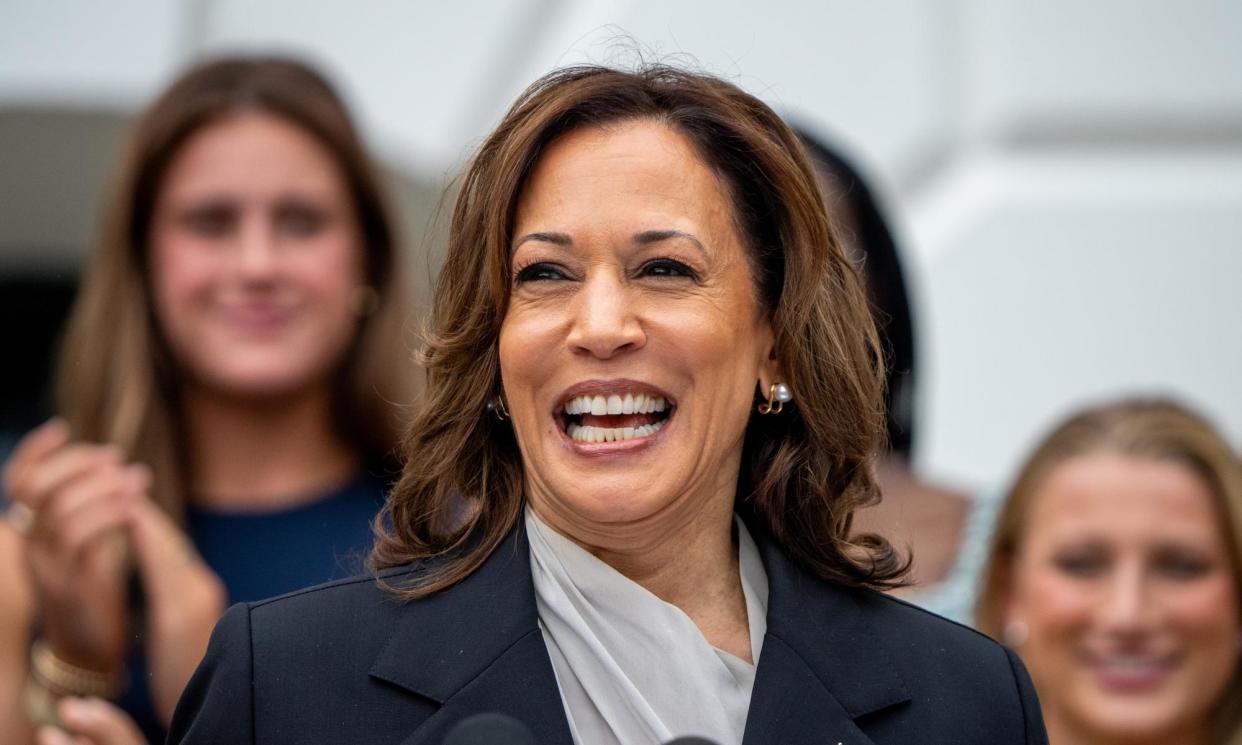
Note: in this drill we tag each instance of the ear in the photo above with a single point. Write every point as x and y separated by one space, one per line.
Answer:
770 369
1008 606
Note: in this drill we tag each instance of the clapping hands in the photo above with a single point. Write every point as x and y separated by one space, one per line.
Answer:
93 521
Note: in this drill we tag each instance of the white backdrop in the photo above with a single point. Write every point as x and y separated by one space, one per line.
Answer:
1066 174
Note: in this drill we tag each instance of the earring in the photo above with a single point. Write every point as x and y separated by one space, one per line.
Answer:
497 407
1015 633
365 301
778 395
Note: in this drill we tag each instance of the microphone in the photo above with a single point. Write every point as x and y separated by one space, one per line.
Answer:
490 728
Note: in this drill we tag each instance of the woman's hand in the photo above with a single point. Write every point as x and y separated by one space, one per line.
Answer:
80 496
91 721
184 601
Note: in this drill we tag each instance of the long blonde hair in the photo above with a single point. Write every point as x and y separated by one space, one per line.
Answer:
117 382
1145 428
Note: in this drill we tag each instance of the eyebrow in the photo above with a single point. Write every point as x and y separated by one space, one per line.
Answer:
655 236
559 239
643 238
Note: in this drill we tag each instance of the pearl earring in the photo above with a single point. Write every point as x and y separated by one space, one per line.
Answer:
1015 633
497 407
778 395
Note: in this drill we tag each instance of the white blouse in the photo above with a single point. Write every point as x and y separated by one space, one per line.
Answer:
633 669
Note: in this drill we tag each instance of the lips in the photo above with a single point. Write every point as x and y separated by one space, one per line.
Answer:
256 318
1130 672
617 411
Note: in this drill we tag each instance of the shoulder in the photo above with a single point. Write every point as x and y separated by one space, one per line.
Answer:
952 671
299 663
354 612
920 633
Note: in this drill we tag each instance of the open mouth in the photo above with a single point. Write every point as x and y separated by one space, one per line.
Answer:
1133 671
614 417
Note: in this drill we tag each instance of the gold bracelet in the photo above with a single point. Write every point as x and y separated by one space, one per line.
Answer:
63 679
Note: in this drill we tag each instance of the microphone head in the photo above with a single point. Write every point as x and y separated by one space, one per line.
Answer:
489 728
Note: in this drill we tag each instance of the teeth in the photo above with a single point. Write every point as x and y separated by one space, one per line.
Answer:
579 433
1131 661
615 404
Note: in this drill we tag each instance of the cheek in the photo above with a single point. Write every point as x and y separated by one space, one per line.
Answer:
331 270
527 346
1207 614
182 272
716 341
1048 601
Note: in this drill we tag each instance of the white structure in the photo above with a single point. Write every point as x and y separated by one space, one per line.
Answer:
1067 175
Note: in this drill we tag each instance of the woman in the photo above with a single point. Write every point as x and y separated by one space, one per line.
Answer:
946 530
601 530
226 383
1115 573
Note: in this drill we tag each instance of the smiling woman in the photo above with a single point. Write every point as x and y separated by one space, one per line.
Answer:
226 392
1115 573
654 397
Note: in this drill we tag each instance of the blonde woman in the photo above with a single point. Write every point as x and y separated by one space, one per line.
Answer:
226 396
1115 574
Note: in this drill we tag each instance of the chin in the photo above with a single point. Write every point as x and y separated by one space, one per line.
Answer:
617 501
1132 718
258 382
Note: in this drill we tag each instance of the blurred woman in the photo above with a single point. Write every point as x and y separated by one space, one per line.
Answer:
227 394
947 531
654 378
1115 573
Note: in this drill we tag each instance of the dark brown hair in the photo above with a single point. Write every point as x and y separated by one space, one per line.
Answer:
117 379
804 472
1141 428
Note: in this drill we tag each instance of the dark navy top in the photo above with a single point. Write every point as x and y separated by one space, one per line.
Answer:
263 554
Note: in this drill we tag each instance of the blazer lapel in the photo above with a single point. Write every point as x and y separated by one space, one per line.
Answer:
821 666
476 647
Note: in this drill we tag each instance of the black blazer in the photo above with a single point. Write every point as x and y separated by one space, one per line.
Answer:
346 662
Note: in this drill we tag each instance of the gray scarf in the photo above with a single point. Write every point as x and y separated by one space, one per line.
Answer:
633 669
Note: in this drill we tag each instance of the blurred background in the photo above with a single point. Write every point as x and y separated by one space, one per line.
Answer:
1065 176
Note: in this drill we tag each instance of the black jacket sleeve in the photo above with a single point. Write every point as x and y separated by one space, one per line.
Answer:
1033 719
217 705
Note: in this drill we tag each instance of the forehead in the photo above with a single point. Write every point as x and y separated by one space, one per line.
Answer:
1130 499
251 151
621 172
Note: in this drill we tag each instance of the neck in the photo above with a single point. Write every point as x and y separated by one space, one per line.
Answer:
261 454
684 554
1063 731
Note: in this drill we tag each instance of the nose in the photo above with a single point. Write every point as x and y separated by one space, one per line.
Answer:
256 249
605 321
1127 606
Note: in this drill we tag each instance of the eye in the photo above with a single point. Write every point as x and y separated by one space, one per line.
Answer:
1180 565
541 271
300 220
667 268
1087 564
211 221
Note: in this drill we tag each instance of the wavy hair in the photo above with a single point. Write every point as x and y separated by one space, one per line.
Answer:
117 380
803 472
